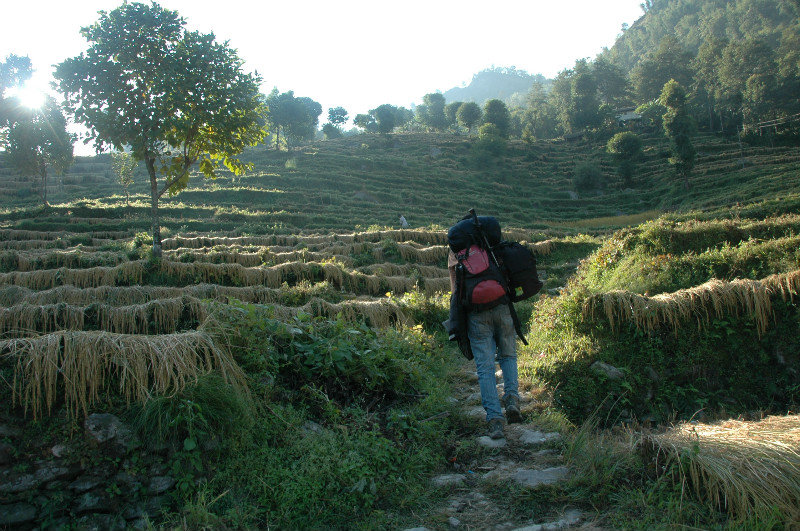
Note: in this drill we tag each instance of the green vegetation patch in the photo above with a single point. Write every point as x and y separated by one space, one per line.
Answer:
722 340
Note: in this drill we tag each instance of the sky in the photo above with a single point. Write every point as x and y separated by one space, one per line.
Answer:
356 54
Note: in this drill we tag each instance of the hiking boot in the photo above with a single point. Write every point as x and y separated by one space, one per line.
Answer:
513 414
496 429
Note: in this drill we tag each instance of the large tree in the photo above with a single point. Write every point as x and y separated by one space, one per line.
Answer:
386 117
38 141
175 97
679 128
431 112
469 115
495 112
14 71
296 118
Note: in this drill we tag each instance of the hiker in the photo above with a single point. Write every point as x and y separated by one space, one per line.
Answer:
491 335
403 222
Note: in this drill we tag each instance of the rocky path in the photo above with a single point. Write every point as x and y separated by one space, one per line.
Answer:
491 489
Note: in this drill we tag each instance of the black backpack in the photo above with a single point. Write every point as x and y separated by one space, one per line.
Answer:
519 267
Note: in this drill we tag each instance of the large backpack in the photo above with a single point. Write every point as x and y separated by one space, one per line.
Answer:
481 283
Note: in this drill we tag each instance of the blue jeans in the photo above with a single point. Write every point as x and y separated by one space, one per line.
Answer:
492 335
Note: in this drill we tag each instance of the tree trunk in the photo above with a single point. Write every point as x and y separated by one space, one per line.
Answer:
44 186
151 169
277 138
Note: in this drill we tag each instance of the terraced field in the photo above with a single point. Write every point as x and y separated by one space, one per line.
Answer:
280 282
352 184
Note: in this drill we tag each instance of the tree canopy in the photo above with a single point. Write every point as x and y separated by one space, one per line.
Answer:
175 97
38 141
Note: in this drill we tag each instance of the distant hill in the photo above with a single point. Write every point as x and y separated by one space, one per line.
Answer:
497 82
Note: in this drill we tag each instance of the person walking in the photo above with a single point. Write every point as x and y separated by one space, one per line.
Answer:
492 336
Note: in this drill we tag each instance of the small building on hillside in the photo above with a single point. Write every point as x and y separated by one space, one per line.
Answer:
628 117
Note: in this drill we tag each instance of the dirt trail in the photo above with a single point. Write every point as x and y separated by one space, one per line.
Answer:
497 487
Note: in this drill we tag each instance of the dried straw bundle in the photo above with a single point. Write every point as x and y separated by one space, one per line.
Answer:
405 269
125 273
437 285
158 316
426 255
25 318
88 363
543 248
31 261
748 468
380 313
741 297
231 257
21 245
20 235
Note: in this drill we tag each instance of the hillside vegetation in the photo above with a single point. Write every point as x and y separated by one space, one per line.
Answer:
354 183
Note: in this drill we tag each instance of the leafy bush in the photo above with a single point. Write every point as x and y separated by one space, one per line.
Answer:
345 360
587 176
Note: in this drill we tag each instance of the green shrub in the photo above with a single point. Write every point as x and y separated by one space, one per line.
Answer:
587 176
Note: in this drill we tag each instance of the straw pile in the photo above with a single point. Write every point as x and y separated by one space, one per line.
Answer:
420 236
83 365
714 299
125 273
129 295
31 261
542 248
153 317
21 235
22 245
378 313
747 468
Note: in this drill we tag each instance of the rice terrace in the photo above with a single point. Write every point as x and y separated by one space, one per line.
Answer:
219 312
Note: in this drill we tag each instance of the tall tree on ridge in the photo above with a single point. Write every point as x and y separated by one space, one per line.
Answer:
469 115
495 112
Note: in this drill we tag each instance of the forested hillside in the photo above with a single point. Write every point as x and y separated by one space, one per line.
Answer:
737 60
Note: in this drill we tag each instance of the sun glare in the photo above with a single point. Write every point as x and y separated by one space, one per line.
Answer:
29 96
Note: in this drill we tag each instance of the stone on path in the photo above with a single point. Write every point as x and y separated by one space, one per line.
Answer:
571 518
488 442
448 480
474 398
16 513
535 478
535 437
453 521
476 412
